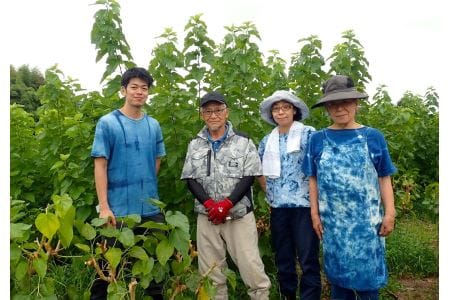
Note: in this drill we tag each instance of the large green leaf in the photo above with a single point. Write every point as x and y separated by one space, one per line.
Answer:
113 255
180 239
138 252
88 232
18 230
177 219
164 251
143 267
47 224
66 228
126 237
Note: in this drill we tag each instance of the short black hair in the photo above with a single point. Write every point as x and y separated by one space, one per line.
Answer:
136 72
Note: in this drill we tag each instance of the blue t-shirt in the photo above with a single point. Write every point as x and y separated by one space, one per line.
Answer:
291 189
376 143
131 148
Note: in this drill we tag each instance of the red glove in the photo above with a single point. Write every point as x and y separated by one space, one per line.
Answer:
218 214
209 204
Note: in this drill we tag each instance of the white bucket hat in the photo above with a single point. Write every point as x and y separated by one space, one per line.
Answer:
265 108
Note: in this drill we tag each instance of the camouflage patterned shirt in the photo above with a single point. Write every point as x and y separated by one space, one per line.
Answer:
219 172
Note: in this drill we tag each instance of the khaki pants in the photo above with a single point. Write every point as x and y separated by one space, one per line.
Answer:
240 238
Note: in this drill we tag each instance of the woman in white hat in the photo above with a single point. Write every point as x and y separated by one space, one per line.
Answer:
282 152
350 184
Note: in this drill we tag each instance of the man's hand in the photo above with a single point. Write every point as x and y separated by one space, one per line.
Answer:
108 214
317 225
220 211
210 206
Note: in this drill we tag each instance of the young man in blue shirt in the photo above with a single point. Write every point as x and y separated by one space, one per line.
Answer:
127 151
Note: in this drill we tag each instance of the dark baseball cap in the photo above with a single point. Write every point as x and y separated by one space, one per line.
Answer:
212 96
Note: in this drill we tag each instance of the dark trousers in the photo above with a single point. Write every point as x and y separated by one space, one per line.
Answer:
339 293
99 287
294 239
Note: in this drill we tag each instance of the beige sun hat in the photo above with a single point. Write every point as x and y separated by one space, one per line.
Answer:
265 108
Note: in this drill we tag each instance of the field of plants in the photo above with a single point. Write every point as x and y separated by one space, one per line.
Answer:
55 233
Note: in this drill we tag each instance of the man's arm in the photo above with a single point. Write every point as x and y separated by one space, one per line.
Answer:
387 196
262 182
158 164
101 185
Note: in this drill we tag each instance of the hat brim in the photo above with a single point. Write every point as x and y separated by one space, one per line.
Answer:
343 95
265 108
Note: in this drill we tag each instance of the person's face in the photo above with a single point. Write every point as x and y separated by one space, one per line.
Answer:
283 113
342 112
135 93
215 115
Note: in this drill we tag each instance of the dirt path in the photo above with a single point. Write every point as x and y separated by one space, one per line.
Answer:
420 289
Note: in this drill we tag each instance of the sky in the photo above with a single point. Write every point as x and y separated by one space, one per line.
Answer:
405 42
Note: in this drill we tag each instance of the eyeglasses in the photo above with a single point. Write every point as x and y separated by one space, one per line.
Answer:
218 112
336 104
283 107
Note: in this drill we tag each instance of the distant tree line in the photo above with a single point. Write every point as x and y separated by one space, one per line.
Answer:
24 83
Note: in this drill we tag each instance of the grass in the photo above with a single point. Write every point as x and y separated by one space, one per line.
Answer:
412 249
413 260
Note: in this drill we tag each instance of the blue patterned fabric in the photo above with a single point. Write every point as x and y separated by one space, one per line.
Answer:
378 150
350 206
291 189
131 148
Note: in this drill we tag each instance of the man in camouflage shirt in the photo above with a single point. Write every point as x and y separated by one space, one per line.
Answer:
219 169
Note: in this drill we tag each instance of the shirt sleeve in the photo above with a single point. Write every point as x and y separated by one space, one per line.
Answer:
313 151
100 146
379 153
160 147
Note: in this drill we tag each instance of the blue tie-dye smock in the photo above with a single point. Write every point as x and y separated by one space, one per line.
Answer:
347 164
131 148
291 188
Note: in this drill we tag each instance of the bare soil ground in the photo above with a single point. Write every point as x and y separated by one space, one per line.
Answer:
417 288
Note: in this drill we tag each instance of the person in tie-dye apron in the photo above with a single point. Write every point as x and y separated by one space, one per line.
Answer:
351 195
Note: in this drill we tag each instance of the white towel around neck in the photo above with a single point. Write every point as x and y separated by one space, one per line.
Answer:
271 159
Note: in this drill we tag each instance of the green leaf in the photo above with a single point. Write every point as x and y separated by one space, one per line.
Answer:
47 224
109 232
155 225
180 239
177 219
138 252
63 204
143 267
40 266
192 281
88 232
231 277
164 251
66 228
83 247
157 202
57 165
99 221
21 270
64 157
18 230
126 237
15 253
113 255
